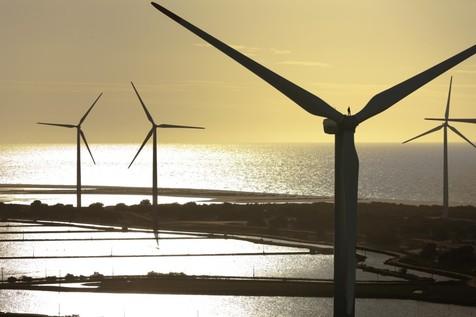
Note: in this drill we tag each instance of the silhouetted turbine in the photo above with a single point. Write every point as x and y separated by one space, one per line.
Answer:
153 133
79 135
445 127
346 159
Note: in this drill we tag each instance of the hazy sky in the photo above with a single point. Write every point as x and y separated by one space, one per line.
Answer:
57 56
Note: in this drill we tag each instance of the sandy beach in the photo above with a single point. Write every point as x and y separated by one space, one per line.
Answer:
211 195
7 191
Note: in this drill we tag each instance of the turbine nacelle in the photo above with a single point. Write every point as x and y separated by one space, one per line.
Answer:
330 126
347 123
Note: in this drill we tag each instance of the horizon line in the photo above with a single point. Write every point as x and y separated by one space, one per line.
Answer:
227 143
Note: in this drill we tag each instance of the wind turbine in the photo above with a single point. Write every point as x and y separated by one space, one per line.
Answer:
79 135
346 159
153 133
445 127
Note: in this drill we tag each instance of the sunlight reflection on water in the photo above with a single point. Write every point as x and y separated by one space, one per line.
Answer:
387 171
308 266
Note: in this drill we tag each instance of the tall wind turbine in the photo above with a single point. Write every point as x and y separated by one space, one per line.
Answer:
79 135
346 159
445 127
153 133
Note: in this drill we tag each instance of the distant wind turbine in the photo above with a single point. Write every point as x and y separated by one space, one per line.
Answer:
153 133
79 135
445 127
346 159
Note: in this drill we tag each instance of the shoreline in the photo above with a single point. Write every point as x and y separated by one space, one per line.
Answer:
201 195
454 293
196 218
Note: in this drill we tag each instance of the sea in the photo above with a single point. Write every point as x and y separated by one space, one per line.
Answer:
388 172
410 173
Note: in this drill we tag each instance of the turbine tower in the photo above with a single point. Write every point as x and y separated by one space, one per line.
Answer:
346 159
445 127
153 133
79 135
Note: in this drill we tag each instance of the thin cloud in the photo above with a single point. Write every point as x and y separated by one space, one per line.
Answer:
305 63
468 69
244 47
183 85
251 50
347 85
248 50
202 45
276 51
465 71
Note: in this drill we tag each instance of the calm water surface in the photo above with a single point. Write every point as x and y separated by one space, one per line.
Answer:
411 172
119 305
309 266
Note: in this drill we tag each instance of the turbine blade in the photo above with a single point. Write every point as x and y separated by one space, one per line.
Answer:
165 126
461 135
89 110
463 120
447 111
389 97
143 143
58 124
147 113
469 120
424 133
437 119
87 145
300 96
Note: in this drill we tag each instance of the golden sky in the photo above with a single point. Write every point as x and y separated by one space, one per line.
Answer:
58 55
